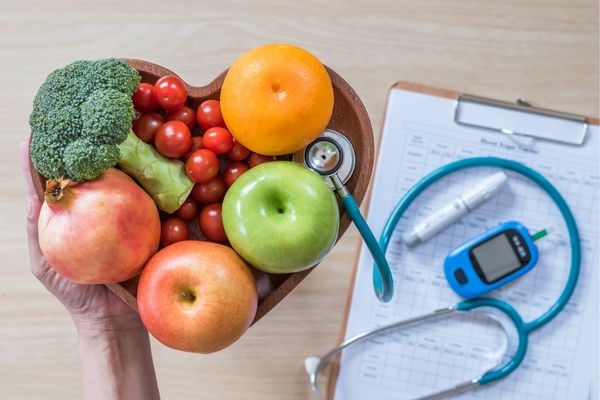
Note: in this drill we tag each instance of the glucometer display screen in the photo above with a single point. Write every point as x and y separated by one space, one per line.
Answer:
495 258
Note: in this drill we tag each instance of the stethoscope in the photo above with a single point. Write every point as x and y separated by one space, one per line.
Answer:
523 329
332 156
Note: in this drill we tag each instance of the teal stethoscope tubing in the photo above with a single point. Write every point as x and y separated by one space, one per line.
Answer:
383 281
523 328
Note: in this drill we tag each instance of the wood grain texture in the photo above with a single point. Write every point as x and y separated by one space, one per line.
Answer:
546 51
349 117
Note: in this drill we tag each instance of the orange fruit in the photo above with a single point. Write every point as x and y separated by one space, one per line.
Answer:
276 99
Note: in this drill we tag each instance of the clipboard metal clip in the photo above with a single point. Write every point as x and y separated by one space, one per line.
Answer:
520 119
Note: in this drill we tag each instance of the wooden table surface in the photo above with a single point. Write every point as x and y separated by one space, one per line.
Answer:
543 50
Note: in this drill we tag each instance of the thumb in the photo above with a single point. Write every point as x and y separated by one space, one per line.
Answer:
26 166
33 203
38 264
33 214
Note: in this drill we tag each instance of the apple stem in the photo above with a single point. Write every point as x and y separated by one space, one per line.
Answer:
188 295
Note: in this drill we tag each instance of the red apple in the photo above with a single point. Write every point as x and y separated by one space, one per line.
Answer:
197 296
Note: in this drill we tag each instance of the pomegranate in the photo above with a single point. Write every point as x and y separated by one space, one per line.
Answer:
100 231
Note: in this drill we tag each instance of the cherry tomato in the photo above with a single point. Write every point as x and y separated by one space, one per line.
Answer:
173 139
146 125
210 192
218 140
196 144
144 99
170 92
184 114
173 230
211 223
188 210
257 159
233 171
209 115
202 165
238 152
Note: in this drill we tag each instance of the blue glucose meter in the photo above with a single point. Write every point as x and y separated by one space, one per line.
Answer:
491 259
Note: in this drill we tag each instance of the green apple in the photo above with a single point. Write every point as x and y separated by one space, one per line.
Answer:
281 217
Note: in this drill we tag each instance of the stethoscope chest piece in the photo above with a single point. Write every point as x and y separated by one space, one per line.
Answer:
331 153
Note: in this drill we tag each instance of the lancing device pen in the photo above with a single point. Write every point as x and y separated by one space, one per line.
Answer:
454 210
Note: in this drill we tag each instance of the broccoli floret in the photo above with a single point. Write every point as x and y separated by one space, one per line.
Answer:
81 125
47 156
114 74
62 88
107 116
65 122
84 158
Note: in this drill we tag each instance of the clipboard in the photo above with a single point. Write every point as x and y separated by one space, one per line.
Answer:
462 99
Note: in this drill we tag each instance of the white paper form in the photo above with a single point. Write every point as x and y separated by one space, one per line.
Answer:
419 136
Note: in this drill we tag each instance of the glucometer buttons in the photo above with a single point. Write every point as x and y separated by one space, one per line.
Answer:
460 276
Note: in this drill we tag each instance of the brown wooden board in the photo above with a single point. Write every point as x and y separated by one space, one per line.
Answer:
349 117
411 87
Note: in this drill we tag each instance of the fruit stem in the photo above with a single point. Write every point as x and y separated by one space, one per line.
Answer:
187 295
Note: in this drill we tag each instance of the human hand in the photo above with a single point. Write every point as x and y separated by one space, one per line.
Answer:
92 307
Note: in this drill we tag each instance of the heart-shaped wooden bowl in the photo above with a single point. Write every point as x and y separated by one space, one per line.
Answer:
349 117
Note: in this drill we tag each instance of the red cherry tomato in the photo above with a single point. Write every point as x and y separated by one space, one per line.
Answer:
146 125
188 210
202 165
209 115
173 139
211 223
233 171
218 140
144 98
173 230
170 92
238 152
196 144
210 192
184 114
257 159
